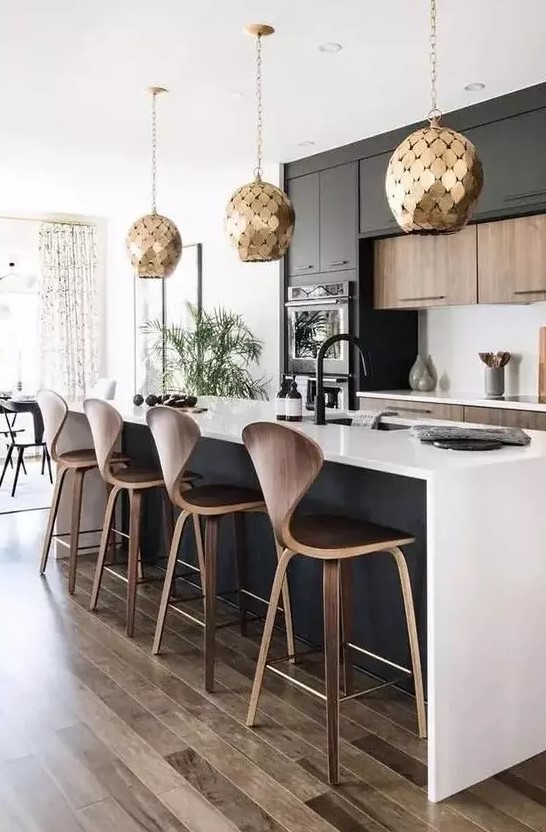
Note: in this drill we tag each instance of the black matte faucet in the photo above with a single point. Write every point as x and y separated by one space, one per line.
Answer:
320 404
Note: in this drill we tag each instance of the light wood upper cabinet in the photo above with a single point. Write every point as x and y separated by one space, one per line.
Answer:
512 260
420 271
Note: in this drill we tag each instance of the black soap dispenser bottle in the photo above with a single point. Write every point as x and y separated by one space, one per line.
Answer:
280 400
293 403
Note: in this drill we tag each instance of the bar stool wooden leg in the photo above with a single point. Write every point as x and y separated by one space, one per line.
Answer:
103 548
276 590
287 610
168 520
77 493
211 541
135 505
346 625
331 663
241 554
169 577
199 546
57 491
413 639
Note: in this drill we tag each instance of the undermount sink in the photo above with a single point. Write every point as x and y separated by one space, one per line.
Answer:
346 420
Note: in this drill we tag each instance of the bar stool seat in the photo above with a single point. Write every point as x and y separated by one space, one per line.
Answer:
223 499
287 463
324 535
138 477
85 457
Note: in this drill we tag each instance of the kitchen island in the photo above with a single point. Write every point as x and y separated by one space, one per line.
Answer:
478 570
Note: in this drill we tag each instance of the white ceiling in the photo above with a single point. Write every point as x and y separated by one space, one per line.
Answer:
73 71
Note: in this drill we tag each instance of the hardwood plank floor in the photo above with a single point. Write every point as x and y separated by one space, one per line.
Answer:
97 734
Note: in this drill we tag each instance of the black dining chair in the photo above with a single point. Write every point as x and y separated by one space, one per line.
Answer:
10 428
17 444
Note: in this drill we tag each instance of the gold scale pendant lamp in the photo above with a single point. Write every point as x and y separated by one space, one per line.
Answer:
434 177
260 217
153 241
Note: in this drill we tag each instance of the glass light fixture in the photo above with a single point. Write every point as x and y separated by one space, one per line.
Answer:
153 241
435 176
260 217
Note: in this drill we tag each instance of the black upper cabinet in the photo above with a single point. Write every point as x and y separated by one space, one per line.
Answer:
326 206
376 217
304 251
338 218
514 163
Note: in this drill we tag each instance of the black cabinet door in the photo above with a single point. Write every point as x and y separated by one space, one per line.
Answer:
338 217
375 215
304 251
514 165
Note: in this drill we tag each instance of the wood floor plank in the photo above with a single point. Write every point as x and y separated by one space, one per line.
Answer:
153 813
513 802
108 814
36 796
481 813
343 815
12 743
218 790
408 767
536 793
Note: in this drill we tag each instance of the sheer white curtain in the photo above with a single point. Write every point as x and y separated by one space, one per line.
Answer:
69 333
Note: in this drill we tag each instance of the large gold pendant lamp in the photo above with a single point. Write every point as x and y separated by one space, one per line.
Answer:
153 241
260 218
434 177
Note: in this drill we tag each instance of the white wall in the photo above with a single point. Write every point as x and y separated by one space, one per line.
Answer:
454 336
117 190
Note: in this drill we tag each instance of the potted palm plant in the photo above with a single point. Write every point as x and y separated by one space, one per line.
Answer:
210 357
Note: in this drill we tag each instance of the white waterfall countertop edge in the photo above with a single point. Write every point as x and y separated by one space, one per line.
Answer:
396 452
465 399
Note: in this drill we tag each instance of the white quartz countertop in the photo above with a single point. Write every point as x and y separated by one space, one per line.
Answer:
396 452
465 399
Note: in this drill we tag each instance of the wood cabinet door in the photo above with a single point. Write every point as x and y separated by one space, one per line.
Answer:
338 218
413 408
503 417
512 260
375 215
420 271
304 251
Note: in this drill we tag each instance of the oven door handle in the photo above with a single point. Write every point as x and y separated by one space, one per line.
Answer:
312 304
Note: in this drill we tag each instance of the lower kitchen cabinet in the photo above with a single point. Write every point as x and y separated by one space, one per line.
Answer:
502 417
414 409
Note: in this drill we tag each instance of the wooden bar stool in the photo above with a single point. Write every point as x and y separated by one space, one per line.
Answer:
176 434
119 475
287 463
54 411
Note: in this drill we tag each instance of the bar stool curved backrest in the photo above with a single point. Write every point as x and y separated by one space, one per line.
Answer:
175 434
54 413
287 462
106 425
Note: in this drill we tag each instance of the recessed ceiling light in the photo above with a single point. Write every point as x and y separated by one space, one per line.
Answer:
236 94
330 47
475 86
306 143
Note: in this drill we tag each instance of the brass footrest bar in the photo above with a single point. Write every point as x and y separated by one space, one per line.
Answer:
378 658
60 535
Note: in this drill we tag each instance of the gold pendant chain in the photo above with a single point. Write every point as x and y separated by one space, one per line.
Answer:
434 113
154 152
259 110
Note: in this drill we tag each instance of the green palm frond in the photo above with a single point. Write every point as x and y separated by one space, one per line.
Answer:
210 357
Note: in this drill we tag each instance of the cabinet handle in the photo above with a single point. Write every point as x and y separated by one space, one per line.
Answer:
424 297
339 263
303 268
413 410
514 197
529 292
